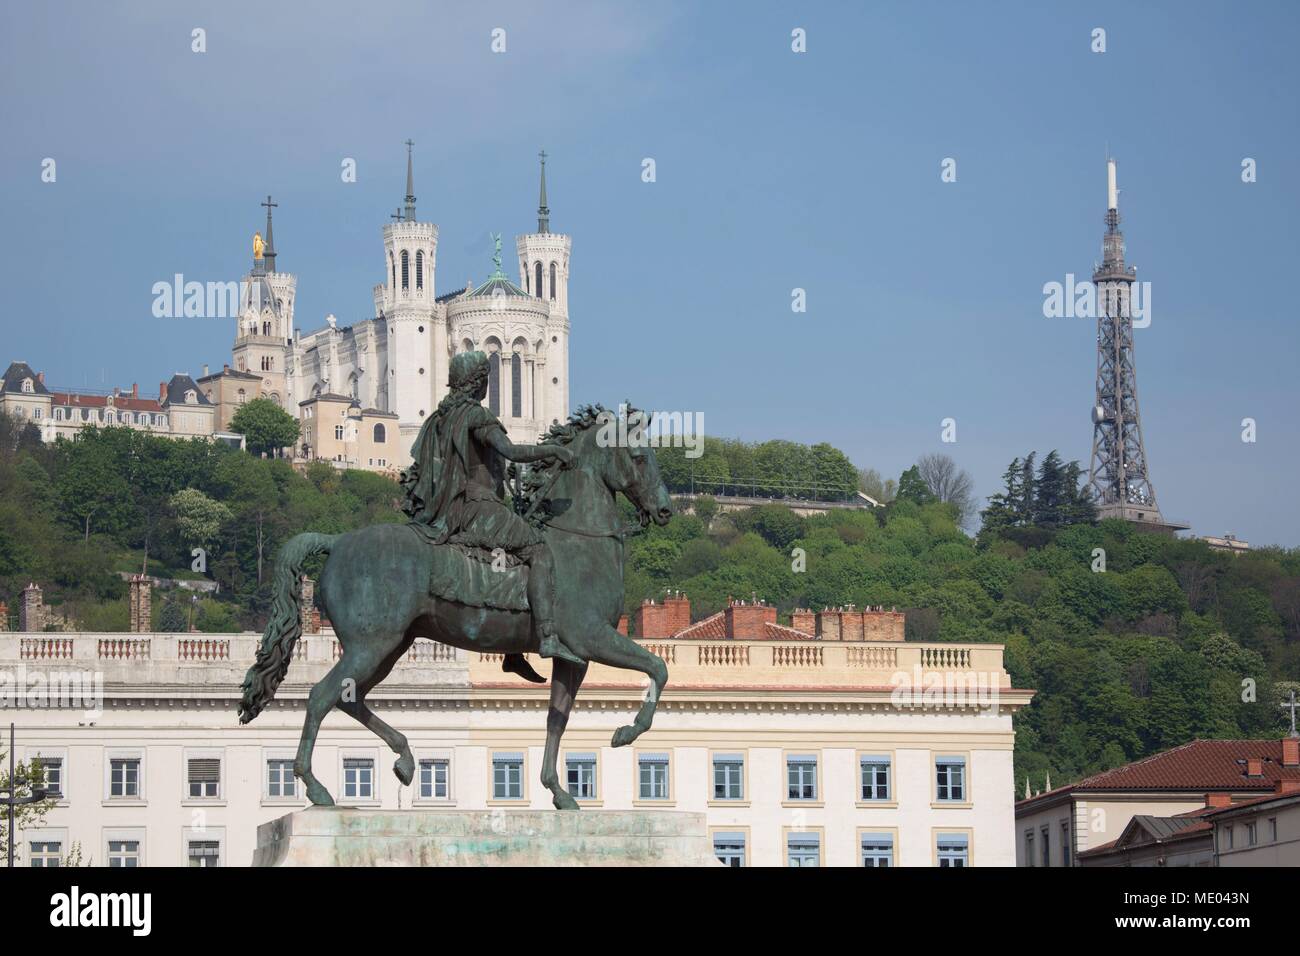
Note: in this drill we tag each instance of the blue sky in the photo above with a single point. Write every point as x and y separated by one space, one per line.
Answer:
775 170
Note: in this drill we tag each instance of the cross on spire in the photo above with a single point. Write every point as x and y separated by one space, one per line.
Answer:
543 211
269 253
410 183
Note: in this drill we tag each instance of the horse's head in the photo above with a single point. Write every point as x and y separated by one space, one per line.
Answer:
630 465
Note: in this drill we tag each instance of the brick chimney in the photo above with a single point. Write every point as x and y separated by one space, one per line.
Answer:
1288 786
162 391
40 377
829 626
135 389
1291 751
306 607
851 624
652 621
4 616
31 613
744 621
1218 799
622 625
679 612
139 600
881 625
802 619
1254 767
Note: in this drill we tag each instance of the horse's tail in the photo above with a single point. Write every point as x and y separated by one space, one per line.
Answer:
285 624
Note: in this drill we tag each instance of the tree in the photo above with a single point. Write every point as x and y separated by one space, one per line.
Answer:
26 776
266 426
871 485
198 518
912 487
948 483
90 486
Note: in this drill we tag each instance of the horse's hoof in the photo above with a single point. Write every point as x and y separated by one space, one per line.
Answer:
319 796
405 769
563 801
625 735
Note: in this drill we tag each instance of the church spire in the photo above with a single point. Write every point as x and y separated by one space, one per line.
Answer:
543 211
268 252
410 184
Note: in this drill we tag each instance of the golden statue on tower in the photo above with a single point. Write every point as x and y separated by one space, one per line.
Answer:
257 245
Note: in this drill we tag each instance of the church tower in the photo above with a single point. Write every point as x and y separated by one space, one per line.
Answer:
265 323
416 345
544 274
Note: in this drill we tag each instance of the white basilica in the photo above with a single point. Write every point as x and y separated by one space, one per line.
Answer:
363 390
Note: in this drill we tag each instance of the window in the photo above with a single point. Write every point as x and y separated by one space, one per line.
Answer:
380 433
46 853
875 777
801 777
58 414
803 849
954 850
204 774
728 777
1228 831
537 285
27 385
950 777
878 849
552 281
494 383
124 778
1272 829
204 853
1065 843
508 776
581 769
406 270
419 269
1029 848
36 414
280 781
338 432
434 779
652 776
517 385
1251 834
126 418
1047 847
729 848
52 770
123 853
359 778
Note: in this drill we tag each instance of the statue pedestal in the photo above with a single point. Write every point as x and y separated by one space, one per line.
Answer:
341 836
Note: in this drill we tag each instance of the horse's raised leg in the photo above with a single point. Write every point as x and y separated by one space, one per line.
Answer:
612 648
319 702
367 669
566 678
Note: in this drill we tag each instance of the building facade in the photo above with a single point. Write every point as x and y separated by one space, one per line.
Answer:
799 753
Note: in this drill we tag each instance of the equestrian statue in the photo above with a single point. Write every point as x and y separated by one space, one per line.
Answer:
467 569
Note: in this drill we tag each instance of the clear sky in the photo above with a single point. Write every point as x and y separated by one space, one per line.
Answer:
775 171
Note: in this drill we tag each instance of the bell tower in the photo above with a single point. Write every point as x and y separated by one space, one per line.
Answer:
405 301
265 321
544 274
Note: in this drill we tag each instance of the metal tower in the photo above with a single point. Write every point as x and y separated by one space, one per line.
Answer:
1117 476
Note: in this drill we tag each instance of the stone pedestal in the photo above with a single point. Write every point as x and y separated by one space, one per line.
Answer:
338 836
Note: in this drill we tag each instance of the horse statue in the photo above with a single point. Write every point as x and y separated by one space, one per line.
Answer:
375 587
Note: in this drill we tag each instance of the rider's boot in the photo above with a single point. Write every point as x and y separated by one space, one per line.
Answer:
541 601
552 646
518 664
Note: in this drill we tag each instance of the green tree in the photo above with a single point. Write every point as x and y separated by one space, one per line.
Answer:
90 486
912 487
198 518
267 428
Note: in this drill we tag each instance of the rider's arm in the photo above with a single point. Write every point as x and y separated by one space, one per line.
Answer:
496 437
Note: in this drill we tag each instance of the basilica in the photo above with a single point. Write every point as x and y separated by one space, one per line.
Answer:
362 390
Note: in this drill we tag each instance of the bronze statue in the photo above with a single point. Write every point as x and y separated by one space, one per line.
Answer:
386 585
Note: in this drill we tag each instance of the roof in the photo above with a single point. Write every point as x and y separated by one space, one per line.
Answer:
230 373
74 400
14 376
1198 766
498 284
177 387
448 296
714 628
1145 830
327 397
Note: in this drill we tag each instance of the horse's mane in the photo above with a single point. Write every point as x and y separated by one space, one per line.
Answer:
540 473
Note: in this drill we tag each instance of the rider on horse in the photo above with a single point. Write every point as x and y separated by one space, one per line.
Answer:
455 494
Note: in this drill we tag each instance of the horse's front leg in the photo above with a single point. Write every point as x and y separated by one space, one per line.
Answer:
617 650
566 678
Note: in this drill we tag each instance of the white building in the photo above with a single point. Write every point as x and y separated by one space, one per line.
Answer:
799 752
397 362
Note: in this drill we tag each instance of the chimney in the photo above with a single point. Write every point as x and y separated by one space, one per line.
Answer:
622 624
745 621
679 612
205 369
307 605
1288 786
652 621
882 625
802 619
31 613
851 624
139 601
1291 751
162 391
40 377
1254 767
828 624
1218 799
135 389
4 616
